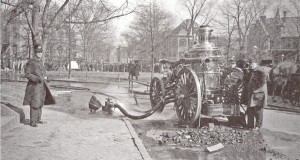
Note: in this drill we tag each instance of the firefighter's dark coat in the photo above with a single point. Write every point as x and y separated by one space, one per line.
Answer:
257 88
37 92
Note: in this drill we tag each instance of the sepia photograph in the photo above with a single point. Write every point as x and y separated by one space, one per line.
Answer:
150 79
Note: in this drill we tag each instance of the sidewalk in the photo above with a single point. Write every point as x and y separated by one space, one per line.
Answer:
69 136
65 137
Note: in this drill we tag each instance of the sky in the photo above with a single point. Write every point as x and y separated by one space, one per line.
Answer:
175 9
123 23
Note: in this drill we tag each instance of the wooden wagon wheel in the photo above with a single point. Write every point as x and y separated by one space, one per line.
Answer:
188 96
235 93
157 92
233 86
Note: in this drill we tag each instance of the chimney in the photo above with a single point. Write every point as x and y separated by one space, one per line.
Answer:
263 19
284 16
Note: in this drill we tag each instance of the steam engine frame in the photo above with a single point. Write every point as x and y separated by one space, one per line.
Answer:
194 85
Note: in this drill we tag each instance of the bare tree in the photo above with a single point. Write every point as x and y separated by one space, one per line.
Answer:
8 14
197 9
245 13
149 29
1 33
228 25
109 12
40 19
91 32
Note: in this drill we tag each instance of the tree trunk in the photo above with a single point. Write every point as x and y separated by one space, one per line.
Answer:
44 46
228 50
35 23
1 37
5 46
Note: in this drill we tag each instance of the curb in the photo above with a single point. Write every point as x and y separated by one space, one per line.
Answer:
280 108
137 141
71 81
9 118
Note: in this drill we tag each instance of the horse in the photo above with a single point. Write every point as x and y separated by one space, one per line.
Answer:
279 76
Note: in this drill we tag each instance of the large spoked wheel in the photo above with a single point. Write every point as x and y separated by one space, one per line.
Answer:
233 86
233 93
188 96
157 92
234 90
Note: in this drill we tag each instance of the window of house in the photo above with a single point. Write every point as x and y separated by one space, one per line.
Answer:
288 44
182 42
296 43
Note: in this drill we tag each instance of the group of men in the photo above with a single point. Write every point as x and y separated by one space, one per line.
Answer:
255 92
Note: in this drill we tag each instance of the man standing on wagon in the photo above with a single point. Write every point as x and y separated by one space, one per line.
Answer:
257 96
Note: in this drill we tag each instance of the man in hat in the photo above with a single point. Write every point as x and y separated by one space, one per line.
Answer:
37 92
257 96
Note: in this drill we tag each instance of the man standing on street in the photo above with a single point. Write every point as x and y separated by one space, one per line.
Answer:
257 96
136 70
37 92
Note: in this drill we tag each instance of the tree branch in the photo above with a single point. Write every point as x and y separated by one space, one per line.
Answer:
101 20
44 23
29 24
57 13
72 13
7 3
19 8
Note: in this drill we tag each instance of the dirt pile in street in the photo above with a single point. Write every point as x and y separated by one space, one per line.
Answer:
234 140
191 137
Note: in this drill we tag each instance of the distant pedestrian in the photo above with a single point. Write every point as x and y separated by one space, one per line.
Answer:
257 96
136 70
130 70
37 93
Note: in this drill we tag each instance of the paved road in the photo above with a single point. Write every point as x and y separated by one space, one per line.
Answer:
281 129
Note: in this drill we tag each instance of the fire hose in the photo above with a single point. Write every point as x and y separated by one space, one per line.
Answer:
94 104
147 114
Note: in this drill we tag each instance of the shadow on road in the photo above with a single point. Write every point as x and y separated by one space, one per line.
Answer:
16 109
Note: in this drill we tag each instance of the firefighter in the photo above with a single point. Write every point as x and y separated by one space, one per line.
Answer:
257 96
37 92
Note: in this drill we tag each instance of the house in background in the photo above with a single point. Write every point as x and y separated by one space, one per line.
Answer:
177 41
275 38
